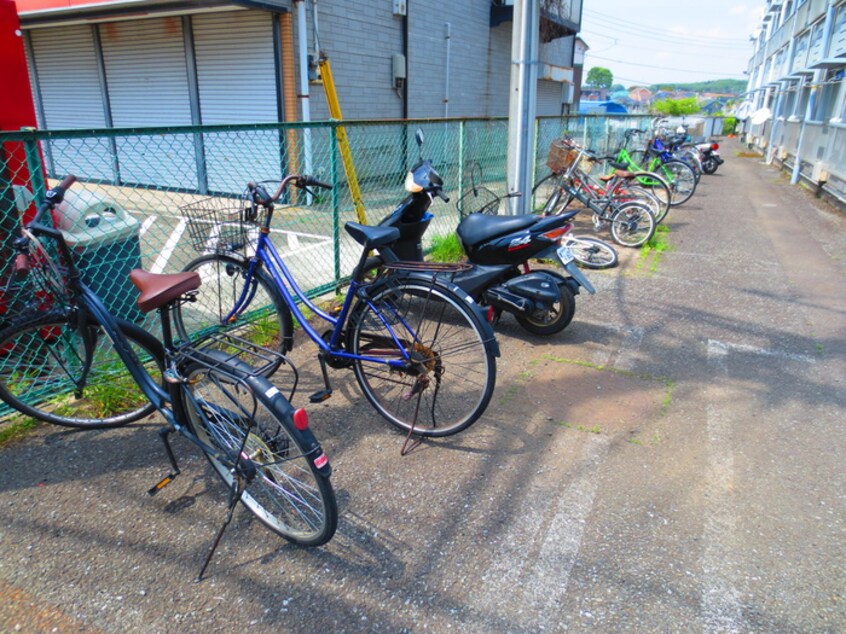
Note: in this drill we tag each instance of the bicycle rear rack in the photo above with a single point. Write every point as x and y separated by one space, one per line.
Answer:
262 361
429 267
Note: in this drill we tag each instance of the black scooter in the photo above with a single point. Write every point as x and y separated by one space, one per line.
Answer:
498 249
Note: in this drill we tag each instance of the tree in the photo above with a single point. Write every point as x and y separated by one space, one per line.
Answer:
599 77
676 107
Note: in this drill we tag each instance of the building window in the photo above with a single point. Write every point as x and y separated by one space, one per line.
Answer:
827 106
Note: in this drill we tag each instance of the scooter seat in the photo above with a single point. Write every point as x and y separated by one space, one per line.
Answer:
477 228
372 237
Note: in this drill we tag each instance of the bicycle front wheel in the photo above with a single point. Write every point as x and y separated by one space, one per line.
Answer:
248 417
68 373
548 196
632 225
265 320
449 379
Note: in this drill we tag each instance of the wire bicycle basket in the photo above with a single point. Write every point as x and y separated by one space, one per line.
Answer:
220 225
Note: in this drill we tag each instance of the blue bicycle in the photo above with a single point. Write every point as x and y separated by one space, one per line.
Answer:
420 347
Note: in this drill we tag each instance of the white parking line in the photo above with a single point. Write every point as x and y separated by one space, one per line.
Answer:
554 543
627 357
167 250
721 607
148 222
741 347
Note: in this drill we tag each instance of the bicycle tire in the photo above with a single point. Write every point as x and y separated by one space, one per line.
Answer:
42 362
681 179
636 193
288 494
632 225
547 195
592 253
446 331
659 188
266 320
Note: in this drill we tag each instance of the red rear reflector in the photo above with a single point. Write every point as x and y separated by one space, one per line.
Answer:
555 233
489 315
715 146
301 419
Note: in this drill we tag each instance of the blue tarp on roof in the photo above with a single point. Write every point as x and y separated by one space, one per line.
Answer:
601 107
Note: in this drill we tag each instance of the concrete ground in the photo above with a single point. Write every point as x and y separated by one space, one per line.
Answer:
671 462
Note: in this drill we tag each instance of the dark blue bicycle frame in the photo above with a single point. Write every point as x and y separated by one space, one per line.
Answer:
267 254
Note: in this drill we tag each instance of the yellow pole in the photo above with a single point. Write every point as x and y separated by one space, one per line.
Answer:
343 141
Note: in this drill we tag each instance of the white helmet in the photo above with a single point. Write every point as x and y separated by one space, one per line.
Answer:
680 130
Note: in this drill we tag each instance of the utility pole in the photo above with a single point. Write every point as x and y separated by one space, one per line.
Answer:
522 103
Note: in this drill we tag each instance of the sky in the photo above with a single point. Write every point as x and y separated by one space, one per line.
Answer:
644 43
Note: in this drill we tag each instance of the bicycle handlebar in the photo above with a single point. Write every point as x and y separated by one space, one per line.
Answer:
52 198
260 196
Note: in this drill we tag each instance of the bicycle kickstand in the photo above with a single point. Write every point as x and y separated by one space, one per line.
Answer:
235 492
164 432
326 392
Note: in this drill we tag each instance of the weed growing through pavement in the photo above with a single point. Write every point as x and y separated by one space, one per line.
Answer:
16 427
666 399
652 251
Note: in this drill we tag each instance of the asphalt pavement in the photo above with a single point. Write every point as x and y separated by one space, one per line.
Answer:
672 462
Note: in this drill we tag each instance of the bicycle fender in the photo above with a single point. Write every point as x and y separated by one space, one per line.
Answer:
485 329
313 450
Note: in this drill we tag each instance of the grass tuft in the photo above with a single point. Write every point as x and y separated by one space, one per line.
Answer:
446 249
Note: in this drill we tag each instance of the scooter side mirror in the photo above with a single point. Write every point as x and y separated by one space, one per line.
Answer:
418 136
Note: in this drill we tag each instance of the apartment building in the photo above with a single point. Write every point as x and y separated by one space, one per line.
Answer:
796 109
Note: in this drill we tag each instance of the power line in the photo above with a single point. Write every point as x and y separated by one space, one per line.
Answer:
681 70
657 40
628 25
643 48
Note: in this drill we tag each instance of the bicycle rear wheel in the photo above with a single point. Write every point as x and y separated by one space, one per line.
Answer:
655 184
266 321
63 372
450 379
681 178
247 416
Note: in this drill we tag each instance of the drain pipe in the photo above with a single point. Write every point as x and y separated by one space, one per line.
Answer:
448 38
305 108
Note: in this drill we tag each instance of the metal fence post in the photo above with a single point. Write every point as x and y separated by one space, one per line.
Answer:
8 216
336 204
36 168
461 149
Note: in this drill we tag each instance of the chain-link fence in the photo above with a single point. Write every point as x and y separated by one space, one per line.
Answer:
126 209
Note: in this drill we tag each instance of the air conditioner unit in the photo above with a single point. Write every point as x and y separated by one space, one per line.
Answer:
819 173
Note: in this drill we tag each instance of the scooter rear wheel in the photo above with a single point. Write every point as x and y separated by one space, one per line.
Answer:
554 318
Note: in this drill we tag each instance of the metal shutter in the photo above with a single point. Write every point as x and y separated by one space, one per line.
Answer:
236 77
236 67
148 86
549 98
70 96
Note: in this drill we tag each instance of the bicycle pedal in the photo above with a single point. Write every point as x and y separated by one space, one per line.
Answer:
162 484
320 396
